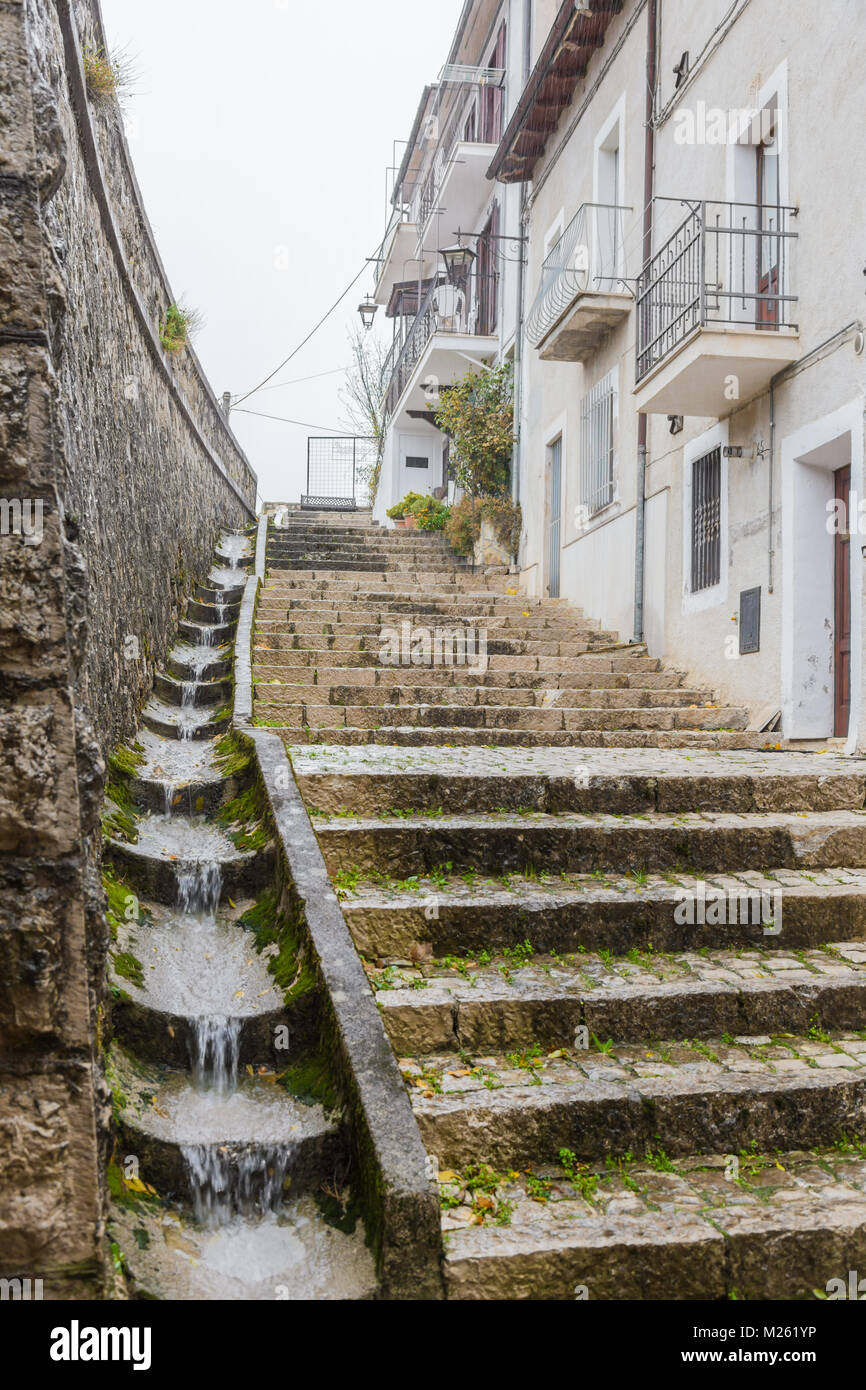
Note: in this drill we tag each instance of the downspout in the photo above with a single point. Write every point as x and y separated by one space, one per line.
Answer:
649 160
521 277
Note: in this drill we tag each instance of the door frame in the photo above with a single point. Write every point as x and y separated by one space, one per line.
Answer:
809 458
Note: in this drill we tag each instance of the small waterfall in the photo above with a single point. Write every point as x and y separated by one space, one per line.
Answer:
186 723
169 789
199 887
214 1047
230 1179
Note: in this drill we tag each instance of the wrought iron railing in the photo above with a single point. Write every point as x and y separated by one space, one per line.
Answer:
725 263
474 119
445 309
587 259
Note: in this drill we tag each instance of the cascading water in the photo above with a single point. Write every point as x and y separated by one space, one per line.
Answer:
214 1046
229 1180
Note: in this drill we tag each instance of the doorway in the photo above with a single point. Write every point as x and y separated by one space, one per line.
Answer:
554 457
842 605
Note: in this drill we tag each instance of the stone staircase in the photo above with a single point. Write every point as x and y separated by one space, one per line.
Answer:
620 958
548 675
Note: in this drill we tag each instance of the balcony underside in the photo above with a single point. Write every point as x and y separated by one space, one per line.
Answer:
583 326
446 357
395 263
716 371
462 196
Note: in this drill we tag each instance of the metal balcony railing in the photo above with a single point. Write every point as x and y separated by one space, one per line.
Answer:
725 263
587 259
472 112
445 308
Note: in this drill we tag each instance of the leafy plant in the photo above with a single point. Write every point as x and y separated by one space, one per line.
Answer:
432 515
178 326
407 506
477 412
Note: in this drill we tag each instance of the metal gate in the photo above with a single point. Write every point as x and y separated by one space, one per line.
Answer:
338 472
555 508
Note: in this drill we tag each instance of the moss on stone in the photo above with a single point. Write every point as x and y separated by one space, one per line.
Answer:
310 1082
242 818
232 755
119 815
128 967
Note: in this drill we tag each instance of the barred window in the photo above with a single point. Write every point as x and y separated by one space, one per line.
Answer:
706 520
597 415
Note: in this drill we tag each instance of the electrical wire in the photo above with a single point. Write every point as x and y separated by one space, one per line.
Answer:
304 341
284 419
275 386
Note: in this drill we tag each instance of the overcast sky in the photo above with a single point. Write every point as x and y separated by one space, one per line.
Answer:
261 132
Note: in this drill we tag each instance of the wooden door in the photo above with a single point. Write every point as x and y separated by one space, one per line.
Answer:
842 616
769 241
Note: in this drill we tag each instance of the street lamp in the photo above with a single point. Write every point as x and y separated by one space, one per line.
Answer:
458 260
367 310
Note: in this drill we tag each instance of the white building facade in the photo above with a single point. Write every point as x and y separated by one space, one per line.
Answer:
444 323
700 271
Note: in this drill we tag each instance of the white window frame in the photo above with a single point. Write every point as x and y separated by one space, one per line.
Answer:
711 597
609 383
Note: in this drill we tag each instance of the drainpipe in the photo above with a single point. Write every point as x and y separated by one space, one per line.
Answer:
521 275
649 159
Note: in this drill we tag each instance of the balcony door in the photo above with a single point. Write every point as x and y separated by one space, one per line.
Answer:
842 606
492 98
487 275
554 467
769 242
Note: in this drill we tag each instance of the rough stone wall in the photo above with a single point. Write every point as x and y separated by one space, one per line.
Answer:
124 471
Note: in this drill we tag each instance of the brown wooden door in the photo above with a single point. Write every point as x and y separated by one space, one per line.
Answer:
842 617
767 315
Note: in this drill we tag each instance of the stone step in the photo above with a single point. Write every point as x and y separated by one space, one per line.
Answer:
210 692
550 668
418 736
769 1226
212 613
700 842
567 718
382 780
163 1112
701 1097
158 863
275 691
602 912
524 999
175 722
270 665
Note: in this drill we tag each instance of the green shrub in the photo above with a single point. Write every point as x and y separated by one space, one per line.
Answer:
408 506
432 516
477 412
463 525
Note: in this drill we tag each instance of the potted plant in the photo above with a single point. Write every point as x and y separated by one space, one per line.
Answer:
403 512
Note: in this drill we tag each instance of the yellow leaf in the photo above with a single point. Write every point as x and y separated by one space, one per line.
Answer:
136 1185
448 1176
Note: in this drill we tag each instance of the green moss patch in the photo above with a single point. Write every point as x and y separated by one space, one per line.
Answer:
232 755
292 971
243 820
310 1082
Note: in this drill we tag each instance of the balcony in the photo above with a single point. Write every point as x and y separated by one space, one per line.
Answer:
581 296
715 308
394 254
466 125
452 329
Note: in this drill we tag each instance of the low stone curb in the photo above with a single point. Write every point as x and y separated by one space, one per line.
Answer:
401 1201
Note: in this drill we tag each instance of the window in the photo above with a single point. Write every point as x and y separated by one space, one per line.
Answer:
492 98
415 461
597 419
706 520
487 275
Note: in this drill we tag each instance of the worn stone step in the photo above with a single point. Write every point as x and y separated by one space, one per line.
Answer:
163 1111
188 850
700 1097
701 842
770 1226
594 912
194 722
618 781
275 691
521 999
269 664
206 634
203 692
419 736
268 705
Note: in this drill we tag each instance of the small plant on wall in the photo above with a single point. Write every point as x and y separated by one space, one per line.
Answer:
477 412
178 326
108 78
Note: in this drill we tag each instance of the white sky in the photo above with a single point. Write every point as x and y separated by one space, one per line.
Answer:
262 126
